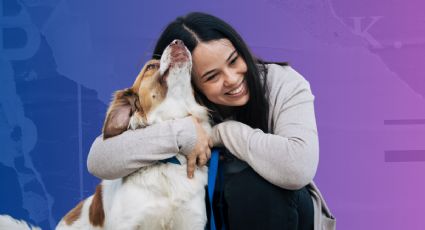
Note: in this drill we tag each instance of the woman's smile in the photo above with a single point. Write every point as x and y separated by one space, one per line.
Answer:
241 90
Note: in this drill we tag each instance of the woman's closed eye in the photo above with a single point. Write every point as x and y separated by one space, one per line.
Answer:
211 77
234 60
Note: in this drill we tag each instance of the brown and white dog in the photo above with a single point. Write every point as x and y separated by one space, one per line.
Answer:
160 196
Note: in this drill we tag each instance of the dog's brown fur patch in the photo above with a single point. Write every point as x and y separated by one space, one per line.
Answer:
148 70
139 99
121 109
96 213
74 214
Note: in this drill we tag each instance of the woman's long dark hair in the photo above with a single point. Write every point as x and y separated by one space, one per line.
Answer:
200 27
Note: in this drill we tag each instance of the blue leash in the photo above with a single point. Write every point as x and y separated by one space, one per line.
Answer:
212 175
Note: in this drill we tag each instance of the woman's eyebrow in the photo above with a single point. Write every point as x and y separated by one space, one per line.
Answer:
228 58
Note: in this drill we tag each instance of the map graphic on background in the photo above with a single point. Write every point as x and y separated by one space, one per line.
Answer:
60 61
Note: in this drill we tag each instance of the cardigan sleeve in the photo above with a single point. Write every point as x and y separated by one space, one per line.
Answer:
288 157
121 155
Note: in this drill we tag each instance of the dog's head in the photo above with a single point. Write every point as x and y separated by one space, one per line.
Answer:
130 107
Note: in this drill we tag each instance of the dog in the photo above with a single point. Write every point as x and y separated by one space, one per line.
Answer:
160 196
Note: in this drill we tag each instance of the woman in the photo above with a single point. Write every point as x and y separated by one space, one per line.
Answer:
264 117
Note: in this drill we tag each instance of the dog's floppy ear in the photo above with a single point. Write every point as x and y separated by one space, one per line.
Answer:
120 110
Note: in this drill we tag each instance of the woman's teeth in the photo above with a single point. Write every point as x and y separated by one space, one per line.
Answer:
237 90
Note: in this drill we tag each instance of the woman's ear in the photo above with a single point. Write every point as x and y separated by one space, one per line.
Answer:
119 112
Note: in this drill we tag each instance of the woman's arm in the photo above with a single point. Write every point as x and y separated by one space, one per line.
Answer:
121 155
289 157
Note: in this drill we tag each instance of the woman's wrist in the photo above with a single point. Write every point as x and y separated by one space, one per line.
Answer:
215 136
185 131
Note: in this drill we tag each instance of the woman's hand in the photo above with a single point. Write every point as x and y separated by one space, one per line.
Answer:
201 153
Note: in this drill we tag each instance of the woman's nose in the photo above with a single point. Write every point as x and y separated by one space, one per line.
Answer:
230 78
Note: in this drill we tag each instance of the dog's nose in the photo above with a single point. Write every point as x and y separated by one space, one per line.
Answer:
177 42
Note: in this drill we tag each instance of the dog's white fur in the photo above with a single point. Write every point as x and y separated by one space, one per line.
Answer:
160 196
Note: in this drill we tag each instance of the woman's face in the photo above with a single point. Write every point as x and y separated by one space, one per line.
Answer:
219 73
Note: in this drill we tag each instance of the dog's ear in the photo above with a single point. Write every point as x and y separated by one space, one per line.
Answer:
120 110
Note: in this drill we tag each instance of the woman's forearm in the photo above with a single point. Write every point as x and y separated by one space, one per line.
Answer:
123 154
288 162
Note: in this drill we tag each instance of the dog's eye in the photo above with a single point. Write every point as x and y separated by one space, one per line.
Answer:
152 66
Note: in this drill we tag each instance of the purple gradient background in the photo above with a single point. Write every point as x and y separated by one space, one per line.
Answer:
363 59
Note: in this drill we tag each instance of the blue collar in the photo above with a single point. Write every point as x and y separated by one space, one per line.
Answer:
172 160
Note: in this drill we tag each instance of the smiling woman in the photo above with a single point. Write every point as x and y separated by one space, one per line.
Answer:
219 72
263 114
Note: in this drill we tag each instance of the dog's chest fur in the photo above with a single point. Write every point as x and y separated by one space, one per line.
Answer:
157 194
